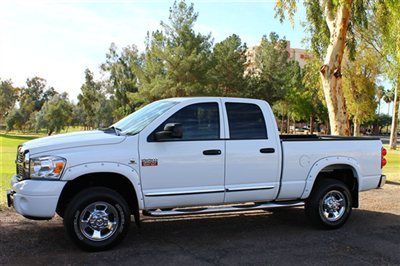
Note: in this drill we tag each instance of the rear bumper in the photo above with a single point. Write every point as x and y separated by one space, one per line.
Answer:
35 199
382 181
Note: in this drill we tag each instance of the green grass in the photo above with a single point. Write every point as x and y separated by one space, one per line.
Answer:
8 151
9 143
392 169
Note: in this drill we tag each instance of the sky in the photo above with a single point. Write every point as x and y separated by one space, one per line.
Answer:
57 40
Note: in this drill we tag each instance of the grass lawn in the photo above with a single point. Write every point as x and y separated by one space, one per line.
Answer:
392 169
9 143
8 151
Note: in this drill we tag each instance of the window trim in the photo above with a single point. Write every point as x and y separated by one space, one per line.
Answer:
150 137
263 116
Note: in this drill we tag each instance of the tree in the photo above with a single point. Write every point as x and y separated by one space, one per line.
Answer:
122 81
55 115
228 67
328 23
359 85
388 17
8 97
272 60
312 96
89 99
290 106
14 120
31 99
177 59
94 105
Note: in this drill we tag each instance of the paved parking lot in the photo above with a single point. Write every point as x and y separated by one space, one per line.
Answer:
371 236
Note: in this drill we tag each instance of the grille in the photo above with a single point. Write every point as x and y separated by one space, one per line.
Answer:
20 164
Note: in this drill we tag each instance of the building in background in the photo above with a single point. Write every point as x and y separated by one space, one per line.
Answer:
297 54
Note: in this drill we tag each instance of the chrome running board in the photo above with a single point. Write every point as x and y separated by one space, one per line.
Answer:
221 209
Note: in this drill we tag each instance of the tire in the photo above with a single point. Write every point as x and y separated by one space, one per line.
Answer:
97 219
330 204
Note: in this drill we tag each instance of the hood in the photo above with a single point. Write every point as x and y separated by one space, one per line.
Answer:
71 140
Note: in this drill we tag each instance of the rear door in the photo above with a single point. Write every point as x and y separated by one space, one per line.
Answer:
252 157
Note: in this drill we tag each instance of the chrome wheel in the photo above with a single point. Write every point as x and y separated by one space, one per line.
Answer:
99 221
333 206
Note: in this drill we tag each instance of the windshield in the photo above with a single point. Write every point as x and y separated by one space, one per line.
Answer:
135 122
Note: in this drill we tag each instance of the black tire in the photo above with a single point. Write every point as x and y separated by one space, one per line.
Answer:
323 215
79 210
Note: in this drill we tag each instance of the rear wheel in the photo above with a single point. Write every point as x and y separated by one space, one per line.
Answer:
330 204
97 218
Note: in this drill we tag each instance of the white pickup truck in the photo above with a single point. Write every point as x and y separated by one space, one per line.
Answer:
185 156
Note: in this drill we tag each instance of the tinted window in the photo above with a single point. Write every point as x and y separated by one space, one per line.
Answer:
246 121
199 121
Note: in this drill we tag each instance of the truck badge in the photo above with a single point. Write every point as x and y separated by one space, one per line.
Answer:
149 162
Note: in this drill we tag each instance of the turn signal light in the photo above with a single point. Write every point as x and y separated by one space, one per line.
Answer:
383 160
384 152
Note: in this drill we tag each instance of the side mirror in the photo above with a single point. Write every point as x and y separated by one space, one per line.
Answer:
171 131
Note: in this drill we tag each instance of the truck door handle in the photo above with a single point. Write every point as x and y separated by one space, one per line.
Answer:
267 150
212 152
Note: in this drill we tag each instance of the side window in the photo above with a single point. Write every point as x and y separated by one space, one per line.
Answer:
246 121
199 121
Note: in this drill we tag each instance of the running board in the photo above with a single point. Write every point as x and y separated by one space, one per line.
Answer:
220 209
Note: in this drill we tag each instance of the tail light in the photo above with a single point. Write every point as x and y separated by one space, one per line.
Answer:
383 160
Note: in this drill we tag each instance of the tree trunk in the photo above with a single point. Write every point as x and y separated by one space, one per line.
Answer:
287 124
312 124
331 70
395 118
356 123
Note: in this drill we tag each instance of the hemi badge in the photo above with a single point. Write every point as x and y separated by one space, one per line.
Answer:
149 162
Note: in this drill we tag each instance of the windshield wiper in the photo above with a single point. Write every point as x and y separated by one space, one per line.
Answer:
113 129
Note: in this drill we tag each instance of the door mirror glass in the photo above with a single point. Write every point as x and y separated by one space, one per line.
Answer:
171 131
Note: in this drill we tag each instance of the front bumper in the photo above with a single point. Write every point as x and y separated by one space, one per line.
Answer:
35 199
382 181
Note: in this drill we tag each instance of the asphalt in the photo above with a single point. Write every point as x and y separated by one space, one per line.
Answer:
370 237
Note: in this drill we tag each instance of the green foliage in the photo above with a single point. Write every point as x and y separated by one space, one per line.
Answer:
359 84
55 114
319 14
272 59
8 97
31 99
226 75
387 15
94 105
177 59
122 81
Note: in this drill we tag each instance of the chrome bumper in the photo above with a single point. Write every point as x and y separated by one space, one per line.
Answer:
382 181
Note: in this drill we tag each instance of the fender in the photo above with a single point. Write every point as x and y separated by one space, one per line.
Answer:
88 168
325 162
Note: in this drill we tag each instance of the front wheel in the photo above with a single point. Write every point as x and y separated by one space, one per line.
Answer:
330 204
97 218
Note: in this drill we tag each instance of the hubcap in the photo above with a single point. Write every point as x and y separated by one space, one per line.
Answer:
333 206
98 221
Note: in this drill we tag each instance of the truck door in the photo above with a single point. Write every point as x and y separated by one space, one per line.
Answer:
190 170
252 158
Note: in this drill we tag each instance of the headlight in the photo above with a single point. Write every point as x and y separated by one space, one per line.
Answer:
46 167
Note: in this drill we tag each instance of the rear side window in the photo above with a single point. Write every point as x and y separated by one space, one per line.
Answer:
199 121
246 121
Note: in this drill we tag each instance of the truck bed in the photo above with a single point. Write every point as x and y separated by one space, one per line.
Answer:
301 153
314 137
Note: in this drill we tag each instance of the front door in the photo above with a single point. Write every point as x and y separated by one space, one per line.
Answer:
186 171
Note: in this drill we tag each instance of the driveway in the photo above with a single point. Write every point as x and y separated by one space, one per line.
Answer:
371 236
